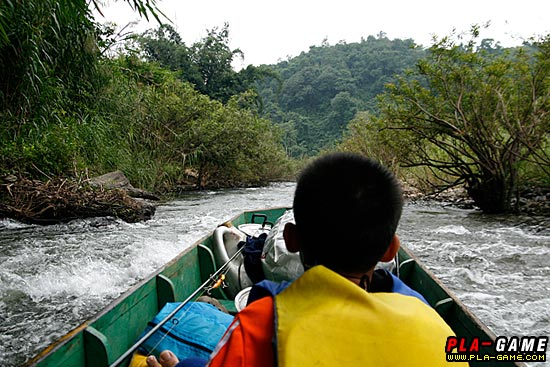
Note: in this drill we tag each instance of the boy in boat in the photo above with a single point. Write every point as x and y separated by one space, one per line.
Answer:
346 209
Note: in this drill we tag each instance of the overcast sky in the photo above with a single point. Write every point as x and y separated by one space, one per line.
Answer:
268 31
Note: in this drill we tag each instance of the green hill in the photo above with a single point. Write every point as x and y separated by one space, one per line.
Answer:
321 90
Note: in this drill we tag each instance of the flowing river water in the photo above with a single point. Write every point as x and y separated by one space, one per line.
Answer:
53 278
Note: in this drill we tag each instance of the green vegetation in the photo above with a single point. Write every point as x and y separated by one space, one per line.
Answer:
205 64
65 109
320 91
477 116
175 116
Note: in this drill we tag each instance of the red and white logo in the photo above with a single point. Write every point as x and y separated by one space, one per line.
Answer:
514 348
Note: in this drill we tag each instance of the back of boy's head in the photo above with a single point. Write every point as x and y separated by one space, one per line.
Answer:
347 208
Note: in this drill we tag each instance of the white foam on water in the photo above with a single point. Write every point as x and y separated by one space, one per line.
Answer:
12 224
454 229
53 278
101 276
88 278
521 233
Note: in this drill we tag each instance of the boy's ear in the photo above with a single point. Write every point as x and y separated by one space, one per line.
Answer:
392 249
290 234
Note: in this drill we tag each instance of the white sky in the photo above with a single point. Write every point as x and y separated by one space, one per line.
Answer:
270 31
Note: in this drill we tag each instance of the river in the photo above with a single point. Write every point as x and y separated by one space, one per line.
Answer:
52 278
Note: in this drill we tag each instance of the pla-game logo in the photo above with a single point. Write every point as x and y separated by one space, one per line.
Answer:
524 349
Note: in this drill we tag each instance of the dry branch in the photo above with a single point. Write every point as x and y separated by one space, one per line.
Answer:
62 200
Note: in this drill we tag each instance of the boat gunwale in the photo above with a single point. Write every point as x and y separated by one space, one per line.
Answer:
463 308
70 335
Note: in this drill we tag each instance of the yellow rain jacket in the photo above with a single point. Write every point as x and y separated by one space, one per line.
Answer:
323 319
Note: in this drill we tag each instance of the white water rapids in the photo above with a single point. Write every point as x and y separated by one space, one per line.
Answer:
53 278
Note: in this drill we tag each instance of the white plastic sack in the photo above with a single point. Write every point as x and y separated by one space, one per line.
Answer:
277 262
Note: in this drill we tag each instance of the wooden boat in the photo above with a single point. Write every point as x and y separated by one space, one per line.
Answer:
102 340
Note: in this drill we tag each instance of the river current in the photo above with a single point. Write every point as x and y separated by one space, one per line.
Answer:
53 278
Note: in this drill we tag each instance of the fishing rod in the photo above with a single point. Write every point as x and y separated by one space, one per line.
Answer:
212 279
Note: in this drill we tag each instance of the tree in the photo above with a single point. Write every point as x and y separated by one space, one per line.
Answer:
541 68
206 64
343 109
366 134
213 57
165 46
472 115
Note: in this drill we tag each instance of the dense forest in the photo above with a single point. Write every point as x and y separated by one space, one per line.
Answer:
319 92
78 98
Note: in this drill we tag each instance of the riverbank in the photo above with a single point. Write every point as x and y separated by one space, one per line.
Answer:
530 200
60 200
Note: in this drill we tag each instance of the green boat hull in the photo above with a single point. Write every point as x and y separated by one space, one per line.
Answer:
100 341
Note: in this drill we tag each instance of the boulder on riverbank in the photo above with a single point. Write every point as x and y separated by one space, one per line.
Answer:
117 180
61 200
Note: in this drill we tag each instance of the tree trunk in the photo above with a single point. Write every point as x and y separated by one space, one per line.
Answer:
200 185
491 194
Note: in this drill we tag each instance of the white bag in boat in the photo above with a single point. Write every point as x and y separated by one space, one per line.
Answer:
278 263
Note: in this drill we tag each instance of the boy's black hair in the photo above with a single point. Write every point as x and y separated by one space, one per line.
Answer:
347 208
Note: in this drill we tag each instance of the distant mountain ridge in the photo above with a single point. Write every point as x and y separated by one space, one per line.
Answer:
320 91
